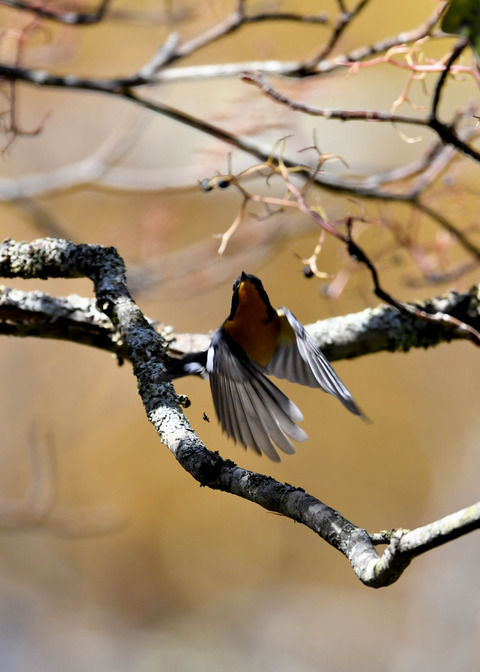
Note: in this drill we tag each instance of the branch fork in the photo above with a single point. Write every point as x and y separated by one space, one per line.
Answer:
48 257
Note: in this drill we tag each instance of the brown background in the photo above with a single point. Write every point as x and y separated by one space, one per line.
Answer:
178 577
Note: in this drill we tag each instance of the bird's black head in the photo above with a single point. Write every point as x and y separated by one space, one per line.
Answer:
247 278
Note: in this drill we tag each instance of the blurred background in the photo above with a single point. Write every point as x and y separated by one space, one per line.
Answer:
130 564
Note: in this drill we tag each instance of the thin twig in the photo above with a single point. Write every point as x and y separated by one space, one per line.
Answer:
344 20
70 18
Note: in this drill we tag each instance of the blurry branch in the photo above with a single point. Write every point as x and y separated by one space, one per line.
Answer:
168 15
92 169
237 20
296 198
45 258
446 132
125 88
98 166
234 22
156 71
38 509
71 18
9 124
342 23
421 173
299 69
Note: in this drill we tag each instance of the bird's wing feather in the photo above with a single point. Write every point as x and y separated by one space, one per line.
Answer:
300 360
251 409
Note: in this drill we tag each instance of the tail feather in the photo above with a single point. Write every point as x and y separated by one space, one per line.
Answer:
192 364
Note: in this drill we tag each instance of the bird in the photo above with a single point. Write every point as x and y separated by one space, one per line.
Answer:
254 342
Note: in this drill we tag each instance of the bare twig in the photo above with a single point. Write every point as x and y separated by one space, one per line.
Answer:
458 327
125 88
445 132
70 18
344 20
297 198
12 128
235 22
258 79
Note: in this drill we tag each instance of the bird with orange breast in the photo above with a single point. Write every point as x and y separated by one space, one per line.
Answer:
254 342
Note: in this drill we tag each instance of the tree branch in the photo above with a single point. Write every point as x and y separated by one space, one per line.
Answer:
384 328
74 319
44 258
69 18
155 71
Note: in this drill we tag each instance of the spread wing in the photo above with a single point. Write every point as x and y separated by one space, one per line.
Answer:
251 409
299 359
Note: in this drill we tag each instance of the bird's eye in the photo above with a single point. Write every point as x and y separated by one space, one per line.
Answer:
223 184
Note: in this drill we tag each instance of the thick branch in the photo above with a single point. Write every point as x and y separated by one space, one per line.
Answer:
383 328
45 258
73 319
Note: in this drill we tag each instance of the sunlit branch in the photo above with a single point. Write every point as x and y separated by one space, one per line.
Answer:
45 258
77 319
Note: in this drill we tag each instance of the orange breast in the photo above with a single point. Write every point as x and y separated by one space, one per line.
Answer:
251 328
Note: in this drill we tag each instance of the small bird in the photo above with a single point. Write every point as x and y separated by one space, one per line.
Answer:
255 341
